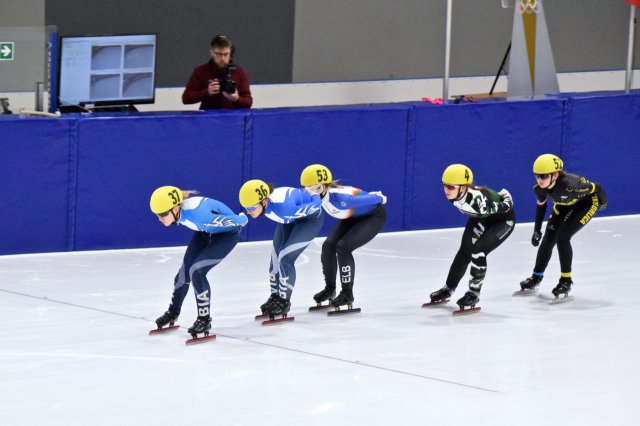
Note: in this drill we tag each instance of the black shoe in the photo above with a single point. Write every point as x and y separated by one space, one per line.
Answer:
470 298
168 317
563 287
279 306
531 283
264 308
202 325
344 298
327 294
439 295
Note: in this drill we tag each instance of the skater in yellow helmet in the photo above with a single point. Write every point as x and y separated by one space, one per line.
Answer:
217 230
361 216
491 221
575 201
298 218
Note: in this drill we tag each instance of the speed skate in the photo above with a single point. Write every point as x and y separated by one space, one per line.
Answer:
525 293
554 300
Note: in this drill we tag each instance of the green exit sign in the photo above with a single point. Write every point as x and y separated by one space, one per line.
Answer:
7 50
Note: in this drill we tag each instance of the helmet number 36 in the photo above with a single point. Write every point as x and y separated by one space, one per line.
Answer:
262 192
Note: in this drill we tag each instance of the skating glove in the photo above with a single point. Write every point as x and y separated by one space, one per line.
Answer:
379 194
602 201
535 239
243 219
506 196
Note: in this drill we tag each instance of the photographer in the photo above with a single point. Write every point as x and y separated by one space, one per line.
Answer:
219 84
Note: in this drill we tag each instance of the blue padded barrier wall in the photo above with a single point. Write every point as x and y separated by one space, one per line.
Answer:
34 184
602 143
371 157
121 160
497 141
83 182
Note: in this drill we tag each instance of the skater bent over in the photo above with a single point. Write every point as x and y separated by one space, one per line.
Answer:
299 218
491 221
217 233
361 216
575 201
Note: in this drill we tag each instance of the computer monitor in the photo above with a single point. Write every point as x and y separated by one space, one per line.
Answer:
108 70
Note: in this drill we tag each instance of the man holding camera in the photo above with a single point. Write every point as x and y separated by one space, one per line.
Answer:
219 84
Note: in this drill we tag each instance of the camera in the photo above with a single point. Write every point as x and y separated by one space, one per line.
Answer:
227 84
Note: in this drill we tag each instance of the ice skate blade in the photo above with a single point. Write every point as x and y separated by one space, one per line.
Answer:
466 311
277 320
553 300
440 302
319 308
344 312
525 293
203 339
261 317
163 329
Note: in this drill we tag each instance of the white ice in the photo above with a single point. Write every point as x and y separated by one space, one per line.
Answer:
75 350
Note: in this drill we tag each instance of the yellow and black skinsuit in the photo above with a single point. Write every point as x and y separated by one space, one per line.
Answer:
575 201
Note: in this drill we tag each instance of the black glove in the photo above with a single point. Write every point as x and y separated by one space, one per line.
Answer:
535 238
602 206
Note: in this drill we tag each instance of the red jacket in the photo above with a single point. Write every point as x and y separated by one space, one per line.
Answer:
196 90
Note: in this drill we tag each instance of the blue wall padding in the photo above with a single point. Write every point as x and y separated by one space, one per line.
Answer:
602 143
497 141
121 160
34 184
83 182
370 157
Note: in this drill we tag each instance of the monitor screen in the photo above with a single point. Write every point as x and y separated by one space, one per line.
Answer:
107 70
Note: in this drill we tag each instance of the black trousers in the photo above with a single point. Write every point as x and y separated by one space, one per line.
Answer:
345 237
480 237
563 223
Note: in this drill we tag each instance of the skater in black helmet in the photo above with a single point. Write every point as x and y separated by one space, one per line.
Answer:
491 221
575 202
360 216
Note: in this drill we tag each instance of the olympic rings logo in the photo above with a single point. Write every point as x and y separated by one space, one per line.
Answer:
527 6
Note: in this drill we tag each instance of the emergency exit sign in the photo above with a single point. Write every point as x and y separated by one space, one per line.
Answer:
6 50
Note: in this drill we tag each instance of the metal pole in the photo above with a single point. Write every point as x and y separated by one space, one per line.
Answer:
447 48
629 73
504 61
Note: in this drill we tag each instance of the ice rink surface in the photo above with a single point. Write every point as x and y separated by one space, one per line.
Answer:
75 351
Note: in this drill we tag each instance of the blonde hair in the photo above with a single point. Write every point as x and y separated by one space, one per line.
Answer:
189 192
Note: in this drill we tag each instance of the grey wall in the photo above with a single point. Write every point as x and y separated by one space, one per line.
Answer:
22 22
21 13
336 40
261 30
377 39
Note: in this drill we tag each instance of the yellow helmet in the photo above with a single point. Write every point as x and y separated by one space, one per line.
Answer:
547 163
457 174
253 192
165 198
315 174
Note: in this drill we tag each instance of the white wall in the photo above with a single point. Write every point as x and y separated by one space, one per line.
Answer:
314 94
